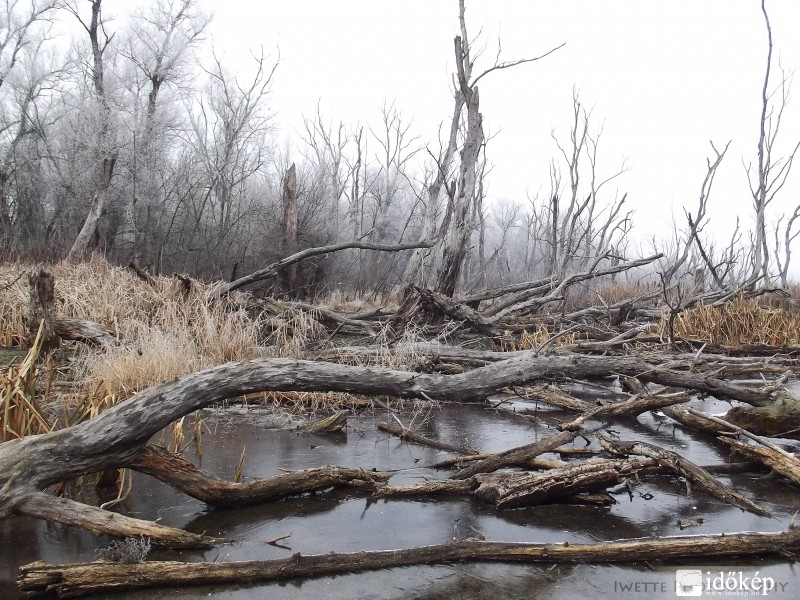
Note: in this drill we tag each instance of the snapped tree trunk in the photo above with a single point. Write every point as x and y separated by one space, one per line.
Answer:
290 273
41 310
454 251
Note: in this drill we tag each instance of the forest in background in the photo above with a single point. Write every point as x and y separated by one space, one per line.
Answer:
130 137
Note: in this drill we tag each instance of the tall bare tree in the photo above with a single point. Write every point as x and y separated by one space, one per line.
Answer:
230 122
160 46
464 206
771 170
107 146
23 82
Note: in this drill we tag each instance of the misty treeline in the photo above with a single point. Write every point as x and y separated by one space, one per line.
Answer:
134 137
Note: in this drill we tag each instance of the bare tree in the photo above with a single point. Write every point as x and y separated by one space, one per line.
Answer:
107 146
789 235
771 170
454 245
23 82
327 145
159 46
230 122
580 228
696 223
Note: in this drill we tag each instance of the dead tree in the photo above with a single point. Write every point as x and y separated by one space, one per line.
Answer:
41 310
464 206
771 171
289 241
222 288
106 145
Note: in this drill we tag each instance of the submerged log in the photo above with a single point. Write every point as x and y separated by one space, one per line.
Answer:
683 467
334 423
104 522
788 466
184 476
72 580
404 433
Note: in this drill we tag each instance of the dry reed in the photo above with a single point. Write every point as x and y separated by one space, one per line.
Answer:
164 334
20 414
736 323
533 340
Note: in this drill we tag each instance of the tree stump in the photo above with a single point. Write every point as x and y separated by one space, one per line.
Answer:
41 310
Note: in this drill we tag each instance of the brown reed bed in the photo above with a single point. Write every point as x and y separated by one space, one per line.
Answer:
739 322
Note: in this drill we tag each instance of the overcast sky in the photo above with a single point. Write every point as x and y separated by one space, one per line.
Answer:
663 78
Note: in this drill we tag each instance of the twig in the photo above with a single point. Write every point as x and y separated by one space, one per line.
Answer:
274 541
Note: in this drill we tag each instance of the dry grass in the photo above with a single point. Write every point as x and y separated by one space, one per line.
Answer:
20 414
737 323
163 333
534 339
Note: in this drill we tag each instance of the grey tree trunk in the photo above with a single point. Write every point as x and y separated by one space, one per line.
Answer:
454 251
290 273
88 234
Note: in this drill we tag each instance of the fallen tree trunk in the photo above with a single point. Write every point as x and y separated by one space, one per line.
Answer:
788 466
222 288
104 577
404 433
530 489
779 419
104 522
635 406
538 296
563 483
184 476
439 303
84 331
319 313
518 455
683 467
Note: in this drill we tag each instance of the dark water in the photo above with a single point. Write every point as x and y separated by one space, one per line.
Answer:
343 522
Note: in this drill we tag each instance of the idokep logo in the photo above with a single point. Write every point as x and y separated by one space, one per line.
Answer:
693 582
688 582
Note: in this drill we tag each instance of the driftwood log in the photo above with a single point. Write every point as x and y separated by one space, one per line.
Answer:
683 467
117 436
105 577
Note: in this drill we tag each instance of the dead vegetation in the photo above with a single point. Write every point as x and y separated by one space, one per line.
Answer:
176 350
740 322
